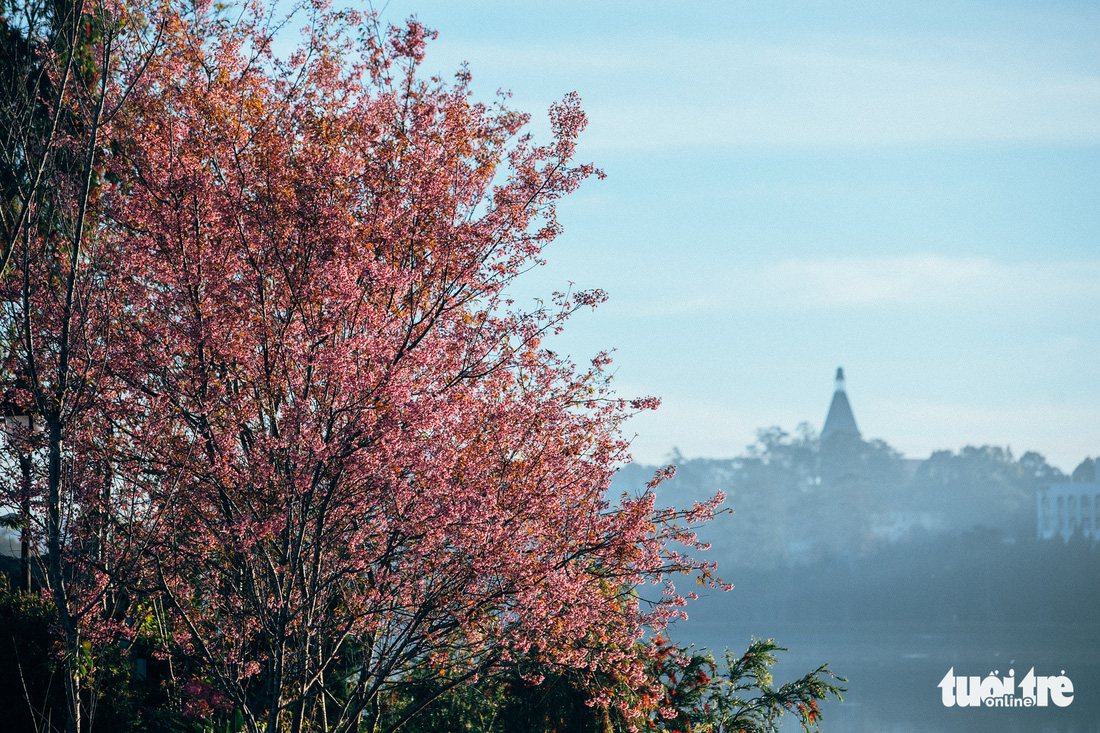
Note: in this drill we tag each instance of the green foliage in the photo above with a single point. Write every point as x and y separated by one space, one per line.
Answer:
685 680
745 699
695 698
684 693
117 699
530 697
30 690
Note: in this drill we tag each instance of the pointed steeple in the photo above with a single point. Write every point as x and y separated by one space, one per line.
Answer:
840 420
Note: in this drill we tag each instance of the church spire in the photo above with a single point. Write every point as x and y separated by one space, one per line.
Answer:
840 420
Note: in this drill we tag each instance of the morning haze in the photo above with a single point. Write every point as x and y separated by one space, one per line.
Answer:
905 189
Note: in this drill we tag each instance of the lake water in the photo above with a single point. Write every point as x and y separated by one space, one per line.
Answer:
893 672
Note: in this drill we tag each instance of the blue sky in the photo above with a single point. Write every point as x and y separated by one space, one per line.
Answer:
907 189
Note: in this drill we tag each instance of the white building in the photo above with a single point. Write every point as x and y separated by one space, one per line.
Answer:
1065 508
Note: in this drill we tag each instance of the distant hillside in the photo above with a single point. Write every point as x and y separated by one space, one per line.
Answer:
797 499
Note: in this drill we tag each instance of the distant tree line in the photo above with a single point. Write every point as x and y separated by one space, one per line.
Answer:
795 501
853 533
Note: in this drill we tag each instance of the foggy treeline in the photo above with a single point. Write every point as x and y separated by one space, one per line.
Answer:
848 531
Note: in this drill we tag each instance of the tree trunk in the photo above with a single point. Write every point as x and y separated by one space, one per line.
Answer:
56 571
25 580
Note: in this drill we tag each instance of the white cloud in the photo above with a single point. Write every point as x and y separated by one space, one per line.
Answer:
859 282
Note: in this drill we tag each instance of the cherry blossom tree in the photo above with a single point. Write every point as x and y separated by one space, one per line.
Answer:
296 431
68 69
356 458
